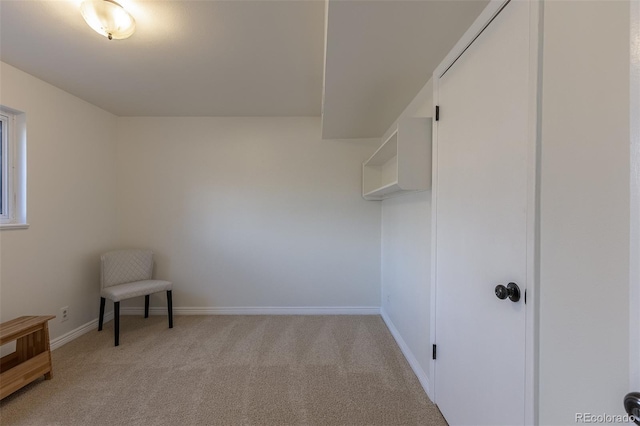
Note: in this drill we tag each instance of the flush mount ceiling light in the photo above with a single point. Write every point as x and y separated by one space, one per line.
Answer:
108 18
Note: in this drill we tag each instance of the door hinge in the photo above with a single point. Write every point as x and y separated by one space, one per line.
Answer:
437 112
525 296
433 355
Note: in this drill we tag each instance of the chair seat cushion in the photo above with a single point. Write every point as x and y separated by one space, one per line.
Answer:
137 288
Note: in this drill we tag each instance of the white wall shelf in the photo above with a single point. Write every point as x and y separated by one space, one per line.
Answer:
402 163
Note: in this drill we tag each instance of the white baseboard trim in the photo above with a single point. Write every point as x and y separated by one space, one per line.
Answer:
411 359
74 334
257 310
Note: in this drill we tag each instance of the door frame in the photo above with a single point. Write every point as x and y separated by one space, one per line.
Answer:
533 194
634 222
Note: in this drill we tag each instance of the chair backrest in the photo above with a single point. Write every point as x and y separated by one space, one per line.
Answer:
125 266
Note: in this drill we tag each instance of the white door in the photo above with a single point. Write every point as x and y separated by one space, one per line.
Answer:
481 225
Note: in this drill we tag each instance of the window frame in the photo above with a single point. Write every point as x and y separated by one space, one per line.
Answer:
7 215
14 169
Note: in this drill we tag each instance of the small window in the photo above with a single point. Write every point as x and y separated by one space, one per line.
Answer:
12 169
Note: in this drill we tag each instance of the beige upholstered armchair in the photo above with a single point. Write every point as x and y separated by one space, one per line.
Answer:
126 274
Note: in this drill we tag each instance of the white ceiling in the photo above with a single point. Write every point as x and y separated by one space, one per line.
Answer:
243 58
380 54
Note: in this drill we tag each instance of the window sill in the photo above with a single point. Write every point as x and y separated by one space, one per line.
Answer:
14 226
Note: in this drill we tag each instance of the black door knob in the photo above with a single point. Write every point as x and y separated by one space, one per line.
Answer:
512 291
632 406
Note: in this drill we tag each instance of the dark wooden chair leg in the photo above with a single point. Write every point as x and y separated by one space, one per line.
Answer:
146 306
101 319
116 320
170 308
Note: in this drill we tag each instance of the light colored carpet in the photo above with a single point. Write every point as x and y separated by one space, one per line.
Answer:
228 370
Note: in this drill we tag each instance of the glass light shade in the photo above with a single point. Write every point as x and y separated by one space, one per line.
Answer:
108 18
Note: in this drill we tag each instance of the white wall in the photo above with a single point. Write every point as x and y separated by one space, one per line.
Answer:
584 277
249 212
70 205
406 261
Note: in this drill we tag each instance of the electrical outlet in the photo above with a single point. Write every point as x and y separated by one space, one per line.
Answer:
388 298
64 314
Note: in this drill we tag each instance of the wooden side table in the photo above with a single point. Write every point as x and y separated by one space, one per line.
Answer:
32 357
